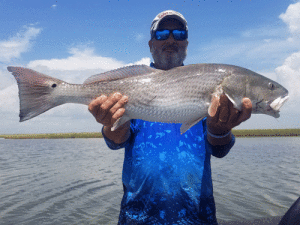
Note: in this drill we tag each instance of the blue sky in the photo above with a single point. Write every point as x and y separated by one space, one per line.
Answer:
72 40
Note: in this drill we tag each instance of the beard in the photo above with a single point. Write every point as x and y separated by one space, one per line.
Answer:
168 57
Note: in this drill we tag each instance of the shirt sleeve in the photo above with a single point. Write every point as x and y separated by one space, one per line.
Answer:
218 151
112 145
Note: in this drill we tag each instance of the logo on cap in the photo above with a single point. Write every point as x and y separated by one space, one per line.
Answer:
164 14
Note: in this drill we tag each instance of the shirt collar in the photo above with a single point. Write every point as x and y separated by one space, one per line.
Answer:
152 65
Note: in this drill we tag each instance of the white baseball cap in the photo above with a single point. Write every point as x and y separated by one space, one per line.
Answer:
169 14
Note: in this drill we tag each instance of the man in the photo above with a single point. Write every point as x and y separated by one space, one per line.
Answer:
166 175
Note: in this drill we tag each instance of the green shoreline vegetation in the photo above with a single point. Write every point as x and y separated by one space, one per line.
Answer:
267 133
237 133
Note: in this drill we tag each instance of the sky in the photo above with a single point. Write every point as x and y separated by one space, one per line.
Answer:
72 40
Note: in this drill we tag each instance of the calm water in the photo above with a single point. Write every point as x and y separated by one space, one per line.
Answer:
78 181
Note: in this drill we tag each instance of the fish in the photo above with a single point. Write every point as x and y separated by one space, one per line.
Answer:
179 95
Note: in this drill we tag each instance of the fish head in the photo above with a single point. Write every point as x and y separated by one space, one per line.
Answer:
267 96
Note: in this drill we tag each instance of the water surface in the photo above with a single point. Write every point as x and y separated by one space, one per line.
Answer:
78 181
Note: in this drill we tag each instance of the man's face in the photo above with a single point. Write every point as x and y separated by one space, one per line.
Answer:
168 53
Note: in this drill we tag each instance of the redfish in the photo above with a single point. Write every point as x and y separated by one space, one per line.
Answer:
179 95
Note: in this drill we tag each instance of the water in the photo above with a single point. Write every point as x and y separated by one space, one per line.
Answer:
78 181
260 177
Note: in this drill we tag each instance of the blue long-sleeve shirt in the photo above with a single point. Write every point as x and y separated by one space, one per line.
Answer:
166 175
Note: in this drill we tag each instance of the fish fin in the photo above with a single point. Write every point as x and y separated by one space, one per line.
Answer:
185 126
120 122
34 92
129 71
236 102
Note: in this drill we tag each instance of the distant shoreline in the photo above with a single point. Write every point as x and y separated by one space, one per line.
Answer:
237 133
267 133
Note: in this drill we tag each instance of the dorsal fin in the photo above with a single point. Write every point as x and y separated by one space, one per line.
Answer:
120 73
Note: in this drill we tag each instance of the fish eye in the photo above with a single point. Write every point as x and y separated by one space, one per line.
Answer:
53 85
271 85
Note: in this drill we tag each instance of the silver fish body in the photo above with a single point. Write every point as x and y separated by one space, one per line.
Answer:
180 95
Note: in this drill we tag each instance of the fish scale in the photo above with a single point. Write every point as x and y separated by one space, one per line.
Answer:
167 98
180 95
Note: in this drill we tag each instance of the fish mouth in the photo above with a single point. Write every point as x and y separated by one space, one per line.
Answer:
276 104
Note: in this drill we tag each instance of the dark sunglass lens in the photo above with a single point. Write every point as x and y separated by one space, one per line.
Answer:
180 34
162 34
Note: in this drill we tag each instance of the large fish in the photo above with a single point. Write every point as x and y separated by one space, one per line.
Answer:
180 95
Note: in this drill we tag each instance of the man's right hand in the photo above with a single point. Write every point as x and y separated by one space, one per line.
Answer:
107 110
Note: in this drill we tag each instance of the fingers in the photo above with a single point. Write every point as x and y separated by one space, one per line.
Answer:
246 111
118 103
118 114
118 110
226 116
107 110
224 109
215 102
233 114
219 109
109 103
94 105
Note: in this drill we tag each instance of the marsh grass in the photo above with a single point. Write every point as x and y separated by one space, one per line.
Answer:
237 133
267 133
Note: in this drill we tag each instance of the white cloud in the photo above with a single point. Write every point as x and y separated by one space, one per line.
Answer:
65 118
289 72
80 59
6 79
256 54
53 6
20 43
144 61
80 65
289 75
292 18
259 49
271 51
9 99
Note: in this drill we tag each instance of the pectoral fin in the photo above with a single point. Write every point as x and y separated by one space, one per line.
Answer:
215 102
237 103
185 126
120 122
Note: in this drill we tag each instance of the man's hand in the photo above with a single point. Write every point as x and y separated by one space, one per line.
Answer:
223 116
107 110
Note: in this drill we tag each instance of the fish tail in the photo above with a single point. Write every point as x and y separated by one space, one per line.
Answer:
35 92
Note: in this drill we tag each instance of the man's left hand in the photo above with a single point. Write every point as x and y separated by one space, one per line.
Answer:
223 116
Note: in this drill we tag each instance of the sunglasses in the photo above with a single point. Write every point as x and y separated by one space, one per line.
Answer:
179 35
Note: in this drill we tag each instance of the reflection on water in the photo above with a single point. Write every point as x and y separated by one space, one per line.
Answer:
78 181
260 177
68 181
